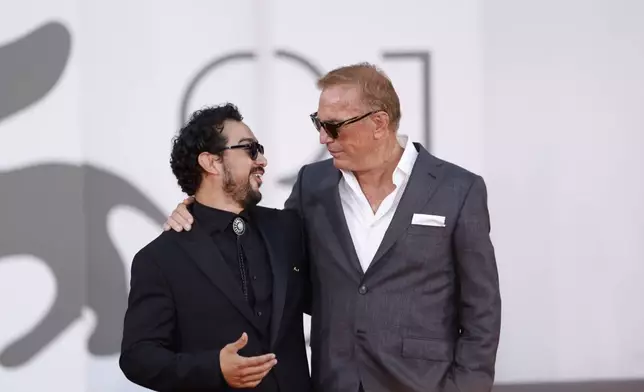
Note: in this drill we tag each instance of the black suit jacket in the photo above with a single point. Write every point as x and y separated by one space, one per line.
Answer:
426 314
184 306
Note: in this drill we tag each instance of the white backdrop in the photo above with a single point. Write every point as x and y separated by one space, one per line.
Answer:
542 98
564 135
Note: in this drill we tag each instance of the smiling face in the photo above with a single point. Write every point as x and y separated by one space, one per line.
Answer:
241 175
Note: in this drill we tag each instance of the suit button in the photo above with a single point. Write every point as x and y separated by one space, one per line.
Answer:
362 290
259 314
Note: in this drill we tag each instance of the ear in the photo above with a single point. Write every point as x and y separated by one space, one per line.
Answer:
209 163
381 120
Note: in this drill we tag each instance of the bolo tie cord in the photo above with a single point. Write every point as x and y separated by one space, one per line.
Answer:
239 228
242 268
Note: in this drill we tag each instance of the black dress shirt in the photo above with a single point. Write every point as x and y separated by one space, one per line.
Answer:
218 224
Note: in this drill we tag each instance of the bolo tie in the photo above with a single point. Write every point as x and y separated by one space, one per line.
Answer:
239 227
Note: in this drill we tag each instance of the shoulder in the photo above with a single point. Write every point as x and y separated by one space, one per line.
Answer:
315 177
455 175
316 172
457 172
163 247
319 167
285 217
287 223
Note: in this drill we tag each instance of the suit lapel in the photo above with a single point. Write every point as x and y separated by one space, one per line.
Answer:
425 178
279 265
338 231
206 255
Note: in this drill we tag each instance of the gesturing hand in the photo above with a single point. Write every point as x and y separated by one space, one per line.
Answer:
244 372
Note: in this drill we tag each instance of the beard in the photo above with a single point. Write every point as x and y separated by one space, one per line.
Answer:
241 192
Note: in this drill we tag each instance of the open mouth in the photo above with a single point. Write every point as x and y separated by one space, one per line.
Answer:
258 177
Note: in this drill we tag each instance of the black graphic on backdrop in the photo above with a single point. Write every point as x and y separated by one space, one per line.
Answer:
58 212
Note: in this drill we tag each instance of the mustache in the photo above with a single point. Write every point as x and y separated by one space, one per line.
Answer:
258 170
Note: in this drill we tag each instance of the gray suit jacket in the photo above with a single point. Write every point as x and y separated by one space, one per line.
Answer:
426 314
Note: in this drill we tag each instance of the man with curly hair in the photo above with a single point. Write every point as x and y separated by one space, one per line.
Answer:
405 287
218 306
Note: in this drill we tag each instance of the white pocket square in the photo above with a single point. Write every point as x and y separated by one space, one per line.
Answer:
428 220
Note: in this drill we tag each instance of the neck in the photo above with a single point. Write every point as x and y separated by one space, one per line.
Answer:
214 199
382 175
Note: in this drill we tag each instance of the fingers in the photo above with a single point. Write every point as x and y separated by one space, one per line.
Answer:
251 377
180 219
242 372
183 216
255 371
171 223
253 381
257 361
239 344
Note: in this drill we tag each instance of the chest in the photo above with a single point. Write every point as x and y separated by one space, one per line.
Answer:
368 215
250 246
376 196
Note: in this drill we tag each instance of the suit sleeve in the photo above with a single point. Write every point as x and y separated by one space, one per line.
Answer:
480 300
147 356
294 202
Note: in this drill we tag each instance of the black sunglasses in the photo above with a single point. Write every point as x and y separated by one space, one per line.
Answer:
332 128
253 149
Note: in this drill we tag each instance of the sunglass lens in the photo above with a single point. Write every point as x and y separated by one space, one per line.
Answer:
253 151
316 122
331 130
255 148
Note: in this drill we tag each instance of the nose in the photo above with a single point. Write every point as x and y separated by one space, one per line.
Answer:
324 137
261 160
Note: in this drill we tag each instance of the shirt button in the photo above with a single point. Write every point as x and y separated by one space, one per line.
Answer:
362 290
259 314
254 277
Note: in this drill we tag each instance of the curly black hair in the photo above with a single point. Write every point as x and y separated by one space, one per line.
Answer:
203 132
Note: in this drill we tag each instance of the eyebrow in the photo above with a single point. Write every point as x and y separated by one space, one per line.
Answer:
247 139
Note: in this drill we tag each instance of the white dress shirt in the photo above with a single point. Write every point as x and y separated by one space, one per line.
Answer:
367 228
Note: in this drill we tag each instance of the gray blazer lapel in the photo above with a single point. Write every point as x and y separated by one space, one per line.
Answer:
330 218
203 251
425 178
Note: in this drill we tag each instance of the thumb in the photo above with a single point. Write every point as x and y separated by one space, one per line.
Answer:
240 343
188 200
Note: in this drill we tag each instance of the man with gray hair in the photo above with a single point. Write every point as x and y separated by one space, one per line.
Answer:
403 271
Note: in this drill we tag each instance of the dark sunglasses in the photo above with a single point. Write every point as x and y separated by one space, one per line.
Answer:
253 149
332 128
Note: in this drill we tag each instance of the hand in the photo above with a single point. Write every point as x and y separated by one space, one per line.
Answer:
180 218
242 372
